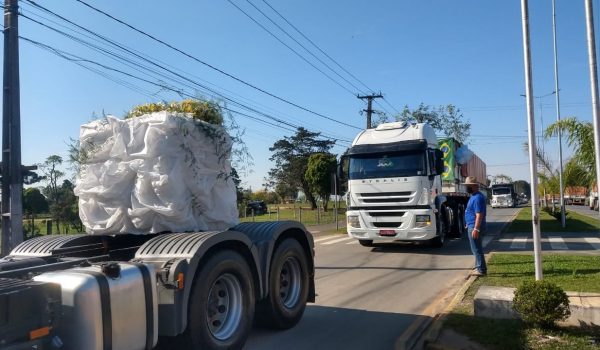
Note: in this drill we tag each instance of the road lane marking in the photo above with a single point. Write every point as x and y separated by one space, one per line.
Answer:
337 240
326 238
518 243
353 242
593 241
557 243
313 232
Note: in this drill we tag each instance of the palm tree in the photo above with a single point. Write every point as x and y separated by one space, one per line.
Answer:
549 180
580 137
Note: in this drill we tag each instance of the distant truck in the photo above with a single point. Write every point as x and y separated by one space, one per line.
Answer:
406 185
593 198
575 195
503 196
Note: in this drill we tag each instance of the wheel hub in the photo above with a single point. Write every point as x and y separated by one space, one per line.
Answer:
224 307
290 282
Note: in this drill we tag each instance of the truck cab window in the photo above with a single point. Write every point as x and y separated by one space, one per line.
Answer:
387 165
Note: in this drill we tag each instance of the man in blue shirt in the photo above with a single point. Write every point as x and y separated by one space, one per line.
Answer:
475 221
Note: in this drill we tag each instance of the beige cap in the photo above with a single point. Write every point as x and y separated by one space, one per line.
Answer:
471 180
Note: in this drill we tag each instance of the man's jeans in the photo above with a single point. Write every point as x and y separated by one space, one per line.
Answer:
477 250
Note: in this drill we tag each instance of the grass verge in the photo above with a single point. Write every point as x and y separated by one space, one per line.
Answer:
303 214
575 222
571 272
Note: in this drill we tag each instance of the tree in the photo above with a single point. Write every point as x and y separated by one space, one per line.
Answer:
34 202
52 174
318 174
445 119
235 177
501 179
66 208
291 154
580 137
285 192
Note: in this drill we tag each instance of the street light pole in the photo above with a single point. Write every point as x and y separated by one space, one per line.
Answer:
532 147
541 137
591 37
560 156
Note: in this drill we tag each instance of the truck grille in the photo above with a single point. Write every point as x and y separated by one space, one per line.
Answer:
385 194
387 224
386 213
386 197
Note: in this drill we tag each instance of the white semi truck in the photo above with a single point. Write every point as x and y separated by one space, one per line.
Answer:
405 185
503 196
180 290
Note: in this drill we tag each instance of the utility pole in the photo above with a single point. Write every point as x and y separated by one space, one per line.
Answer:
369 109
12 178
591 40
556 88
535 220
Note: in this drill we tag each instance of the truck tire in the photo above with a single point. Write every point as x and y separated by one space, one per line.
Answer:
439 241
366 242
221 306
287 287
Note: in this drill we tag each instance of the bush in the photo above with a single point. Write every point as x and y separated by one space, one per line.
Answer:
555 213
541 303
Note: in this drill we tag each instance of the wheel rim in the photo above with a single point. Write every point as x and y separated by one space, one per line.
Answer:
224 307
290 281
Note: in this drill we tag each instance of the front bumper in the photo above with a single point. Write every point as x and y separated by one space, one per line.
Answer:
384 228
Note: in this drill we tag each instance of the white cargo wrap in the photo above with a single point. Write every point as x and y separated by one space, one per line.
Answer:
155 173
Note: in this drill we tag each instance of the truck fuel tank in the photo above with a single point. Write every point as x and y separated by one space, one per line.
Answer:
107 306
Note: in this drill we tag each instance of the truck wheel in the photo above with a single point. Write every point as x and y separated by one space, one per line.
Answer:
221 305
288 287
460 221
366 242
442 224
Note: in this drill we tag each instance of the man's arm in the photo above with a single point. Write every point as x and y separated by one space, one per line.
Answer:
478 219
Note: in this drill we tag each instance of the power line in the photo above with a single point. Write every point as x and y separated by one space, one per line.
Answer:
80 61
389 104
208 65
155 64
289 47
130 63
316 46
302 46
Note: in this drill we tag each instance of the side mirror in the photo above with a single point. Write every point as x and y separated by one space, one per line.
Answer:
439 162
342 174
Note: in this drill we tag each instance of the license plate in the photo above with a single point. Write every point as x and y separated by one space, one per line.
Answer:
387 232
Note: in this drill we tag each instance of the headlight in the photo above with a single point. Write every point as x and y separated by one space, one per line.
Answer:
353 221
422 221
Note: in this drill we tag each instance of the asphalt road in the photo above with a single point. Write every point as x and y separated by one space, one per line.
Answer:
583 209
372 298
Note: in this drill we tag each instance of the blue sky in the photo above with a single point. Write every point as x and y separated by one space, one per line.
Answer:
468 53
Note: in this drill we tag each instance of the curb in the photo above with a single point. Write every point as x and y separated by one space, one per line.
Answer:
413 336
432 334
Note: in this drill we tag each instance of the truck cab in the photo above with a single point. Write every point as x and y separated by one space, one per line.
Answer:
503 196
394 187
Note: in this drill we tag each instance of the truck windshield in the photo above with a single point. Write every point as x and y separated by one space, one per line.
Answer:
499 191
371 166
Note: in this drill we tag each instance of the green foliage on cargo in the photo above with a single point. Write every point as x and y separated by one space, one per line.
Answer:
207 111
